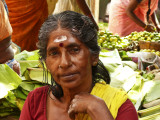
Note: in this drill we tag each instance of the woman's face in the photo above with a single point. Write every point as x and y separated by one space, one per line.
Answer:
69 60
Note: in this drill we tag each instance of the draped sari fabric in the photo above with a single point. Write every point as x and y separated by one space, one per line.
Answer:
63 5
113 97
26 18
120 23
5 27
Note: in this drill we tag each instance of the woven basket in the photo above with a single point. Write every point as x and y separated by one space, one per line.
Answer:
149 45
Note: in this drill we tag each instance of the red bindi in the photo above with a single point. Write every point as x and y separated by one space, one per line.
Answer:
60 44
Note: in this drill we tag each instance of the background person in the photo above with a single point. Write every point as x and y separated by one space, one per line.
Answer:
158 12
106 16
6 50
68 46
127 16
26 17
80 6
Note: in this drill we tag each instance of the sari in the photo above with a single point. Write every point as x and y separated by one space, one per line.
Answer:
26 18
5 27
113 97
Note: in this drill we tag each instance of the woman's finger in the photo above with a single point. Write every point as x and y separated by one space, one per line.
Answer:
71 111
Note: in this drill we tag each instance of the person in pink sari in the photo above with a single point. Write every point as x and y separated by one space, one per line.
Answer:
127 16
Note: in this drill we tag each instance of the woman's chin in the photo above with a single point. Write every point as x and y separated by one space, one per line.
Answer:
70 84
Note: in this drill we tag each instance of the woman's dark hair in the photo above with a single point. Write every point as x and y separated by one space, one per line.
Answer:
81 27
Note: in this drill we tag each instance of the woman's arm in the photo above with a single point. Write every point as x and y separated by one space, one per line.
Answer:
85 9
130 12
153 17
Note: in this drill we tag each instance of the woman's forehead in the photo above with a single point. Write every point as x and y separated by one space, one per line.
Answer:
61 38
59 35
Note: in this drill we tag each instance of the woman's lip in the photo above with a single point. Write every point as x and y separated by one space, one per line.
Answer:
68 75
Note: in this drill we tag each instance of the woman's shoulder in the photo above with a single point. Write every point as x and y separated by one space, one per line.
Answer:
127 111
103 85
103 88
35 104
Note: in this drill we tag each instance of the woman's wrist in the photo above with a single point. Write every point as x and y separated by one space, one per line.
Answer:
146 26
100 111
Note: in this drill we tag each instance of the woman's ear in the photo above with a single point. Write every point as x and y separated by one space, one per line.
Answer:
95 59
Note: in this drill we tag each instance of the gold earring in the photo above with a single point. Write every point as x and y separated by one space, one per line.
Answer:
94 63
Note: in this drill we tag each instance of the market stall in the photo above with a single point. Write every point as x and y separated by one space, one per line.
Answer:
125 59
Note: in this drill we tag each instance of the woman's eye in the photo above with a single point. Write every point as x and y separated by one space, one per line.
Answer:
75 50
53 53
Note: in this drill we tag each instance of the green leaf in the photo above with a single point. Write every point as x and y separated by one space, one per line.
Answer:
9 80
25 55
28 63
27 86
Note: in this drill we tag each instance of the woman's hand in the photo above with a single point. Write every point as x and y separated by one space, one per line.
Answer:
16 68
158 29
150 28
90 104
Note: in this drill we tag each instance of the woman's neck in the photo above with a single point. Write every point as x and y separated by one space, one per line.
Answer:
68 94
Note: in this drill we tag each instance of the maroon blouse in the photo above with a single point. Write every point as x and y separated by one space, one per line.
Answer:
35 107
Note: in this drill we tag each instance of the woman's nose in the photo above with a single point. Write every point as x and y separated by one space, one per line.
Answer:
65 61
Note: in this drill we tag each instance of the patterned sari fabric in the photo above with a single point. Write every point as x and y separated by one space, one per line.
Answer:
120 23
26 18
5 27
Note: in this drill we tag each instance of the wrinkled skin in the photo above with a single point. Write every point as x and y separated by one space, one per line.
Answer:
71 67
75 71
93 105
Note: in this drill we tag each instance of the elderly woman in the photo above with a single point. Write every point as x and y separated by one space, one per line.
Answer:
79 89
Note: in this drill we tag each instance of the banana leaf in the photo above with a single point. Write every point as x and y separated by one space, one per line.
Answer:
27 59
20 103
37 75
9 80
27 86
123 77
28 63
26 55
19 94
154 91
